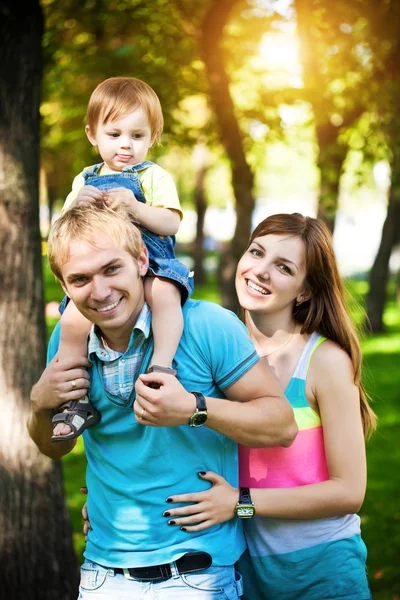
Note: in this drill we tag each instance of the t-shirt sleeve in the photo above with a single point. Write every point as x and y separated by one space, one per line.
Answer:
160 190
223 342
77 184
54 342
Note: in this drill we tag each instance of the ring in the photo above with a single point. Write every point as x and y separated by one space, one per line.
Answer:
141 414
73 383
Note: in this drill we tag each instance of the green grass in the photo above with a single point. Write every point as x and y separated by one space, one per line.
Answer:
380 514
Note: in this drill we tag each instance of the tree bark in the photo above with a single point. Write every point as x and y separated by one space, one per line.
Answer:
36 554
201 207
331 154
330 162
379 274
212 29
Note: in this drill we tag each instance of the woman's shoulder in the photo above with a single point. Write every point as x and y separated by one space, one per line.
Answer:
330 361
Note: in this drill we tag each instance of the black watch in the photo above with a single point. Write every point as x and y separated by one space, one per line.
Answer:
200 415
245 508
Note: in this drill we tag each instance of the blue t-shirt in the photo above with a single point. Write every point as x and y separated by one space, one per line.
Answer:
132 468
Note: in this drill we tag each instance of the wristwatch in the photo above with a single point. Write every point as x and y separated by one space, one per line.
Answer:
200 415
245 508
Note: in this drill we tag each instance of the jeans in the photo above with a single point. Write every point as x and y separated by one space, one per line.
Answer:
215 583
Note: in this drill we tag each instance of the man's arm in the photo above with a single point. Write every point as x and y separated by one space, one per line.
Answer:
53 388
253 417
259 415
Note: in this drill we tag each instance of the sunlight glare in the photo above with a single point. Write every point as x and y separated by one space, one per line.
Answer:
281 52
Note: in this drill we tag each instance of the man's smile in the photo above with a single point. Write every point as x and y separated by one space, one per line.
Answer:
109 307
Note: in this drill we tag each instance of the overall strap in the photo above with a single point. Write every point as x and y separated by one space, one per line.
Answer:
93 170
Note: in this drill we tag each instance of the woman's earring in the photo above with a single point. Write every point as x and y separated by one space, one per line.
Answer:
298 302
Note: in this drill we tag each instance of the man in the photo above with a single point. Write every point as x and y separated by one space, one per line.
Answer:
151 443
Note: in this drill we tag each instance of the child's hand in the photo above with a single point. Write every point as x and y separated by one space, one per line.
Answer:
125 197
87 195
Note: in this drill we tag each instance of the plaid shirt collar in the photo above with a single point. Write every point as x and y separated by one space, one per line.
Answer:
96 345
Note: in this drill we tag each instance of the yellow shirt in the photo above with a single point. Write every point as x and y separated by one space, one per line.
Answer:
157 185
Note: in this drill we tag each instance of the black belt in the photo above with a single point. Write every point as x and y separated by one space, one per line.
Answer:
188 563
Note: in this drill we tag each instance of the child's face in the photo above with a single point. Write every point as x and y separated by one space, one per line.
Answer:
123 142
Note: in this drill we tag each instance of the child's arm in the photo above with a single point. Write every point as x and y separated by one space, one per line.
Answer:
163 221
75 329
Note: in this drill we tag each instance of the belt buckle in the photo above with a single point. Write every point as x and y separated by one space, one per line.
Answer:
164 573
127 575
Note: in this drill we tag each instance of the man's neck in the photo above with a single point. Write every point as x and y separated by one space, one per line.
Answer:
116 342
118 339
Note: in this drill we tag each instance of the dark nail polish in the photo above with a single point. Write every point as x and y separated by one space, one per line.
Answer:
171 523
168 500
166 514
183 528
202 472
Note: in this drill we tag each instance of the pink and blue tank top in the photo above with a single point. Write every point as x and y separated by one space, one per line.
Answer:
293 559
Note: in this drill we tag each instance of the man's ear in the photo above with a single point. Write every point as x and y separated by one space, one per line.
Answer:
90 137
63 286
143 261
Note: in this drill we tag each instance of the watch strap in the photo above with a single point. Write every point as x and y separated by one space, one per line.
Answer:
200 401
244 496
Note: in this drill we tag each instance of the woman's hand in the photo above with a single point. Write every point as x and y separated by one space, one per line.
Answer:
209 508
85 516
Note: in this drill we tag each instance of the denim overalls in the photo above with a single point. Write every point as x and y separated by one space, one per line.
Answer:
162 260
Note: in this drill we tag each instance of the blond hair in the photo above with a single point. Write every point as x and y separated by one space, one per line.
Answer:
117 96
89 223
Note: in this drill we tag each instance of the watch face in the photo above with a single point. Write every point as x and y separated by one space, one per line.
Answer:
198 419
245 511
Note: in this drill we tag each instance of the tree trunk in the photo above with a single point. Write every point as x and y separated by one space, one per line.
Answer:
201 207
331 154
242 177
330 162
379 274
36 553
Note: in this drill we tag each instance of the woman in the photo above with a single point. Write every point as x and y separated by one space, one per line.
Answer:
305 539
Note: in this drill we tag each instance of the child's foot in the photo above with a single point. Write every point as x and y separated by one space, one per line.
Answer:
159 369
76 416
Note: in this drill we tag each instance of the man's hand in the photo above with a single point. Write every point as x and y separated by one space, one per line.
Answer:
61 381
168 406
87 195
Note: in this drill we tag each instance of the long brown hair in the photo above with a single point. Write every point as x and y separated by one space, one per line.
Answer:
326 310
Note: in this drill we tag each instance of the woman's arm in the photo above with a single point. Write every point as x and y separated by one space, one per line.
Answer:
330 382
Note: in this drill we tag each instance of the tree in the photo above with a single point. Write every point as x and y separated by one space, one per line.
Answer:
384 24
211 38
334 80
36 554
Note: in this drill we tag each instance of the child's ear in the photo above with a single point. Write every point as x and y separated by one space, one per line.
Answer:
90 137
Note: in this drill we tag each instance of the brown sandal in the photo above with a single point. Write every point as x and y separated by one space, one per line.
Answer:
79 415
